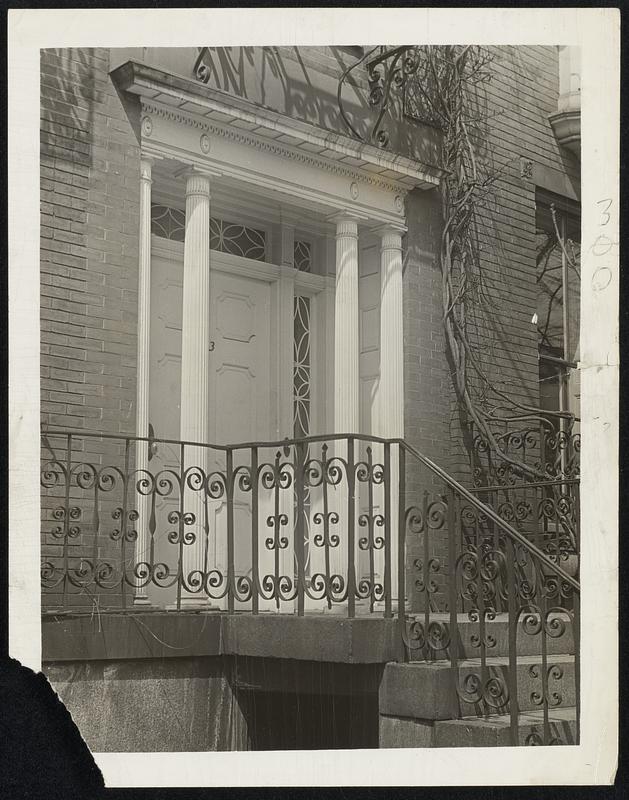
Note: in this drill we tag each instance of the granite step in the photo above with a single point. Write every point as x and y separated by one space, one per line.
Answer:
424 691
436 645
496 731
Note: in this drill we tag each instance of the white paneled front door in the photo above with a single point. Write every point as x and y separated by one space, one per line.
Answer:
240 408
240 399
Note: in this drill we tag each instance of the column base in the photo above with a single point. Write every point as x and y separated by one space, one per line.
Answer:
141 600
379 605
193 604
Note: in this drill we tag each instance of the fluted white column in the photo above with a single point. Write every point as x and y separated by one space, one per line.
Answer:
390 401
195 358
346 393
346 348
391 387
143 361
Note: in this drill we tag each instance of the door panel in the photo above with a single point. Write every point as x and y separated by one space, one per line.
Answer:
239 359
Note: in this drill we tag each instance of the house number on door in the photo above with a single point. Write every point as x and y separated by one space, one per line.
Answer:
211 346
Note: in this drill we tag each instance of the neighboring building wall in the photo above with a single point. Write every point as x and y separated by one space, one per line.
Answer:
89 245
522 93
89 254
520 142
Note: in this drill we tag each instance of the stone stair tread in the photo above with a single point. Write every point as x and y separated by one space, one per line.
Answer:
560 714
500 617
495 731
496 661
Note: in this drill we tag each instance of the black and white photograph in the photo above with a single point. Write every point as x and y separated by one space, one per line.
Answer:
313 373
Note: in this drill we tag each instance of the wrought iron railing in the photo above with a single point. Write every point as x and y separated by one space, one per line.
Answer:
284 525
534 449
388 71
497 596
476 581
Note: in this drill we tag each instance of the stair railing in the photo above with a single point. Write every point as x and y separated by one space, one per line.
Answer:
501 608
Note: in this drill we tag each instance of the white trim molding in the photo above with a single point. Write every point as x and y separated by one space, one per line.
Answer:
194 103
295 162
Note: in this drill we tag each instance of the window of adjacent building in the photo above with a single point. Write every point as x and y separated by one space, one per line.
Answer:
558 252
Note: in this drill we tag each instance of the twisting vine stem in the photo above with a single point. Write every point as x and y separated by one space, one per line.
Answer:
448 80
455 76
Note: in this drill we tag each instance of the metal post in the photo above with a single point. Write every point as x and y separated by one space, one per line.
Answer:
453 539
401 553
230 530
299 526
255 567
351 568
388 488
514 711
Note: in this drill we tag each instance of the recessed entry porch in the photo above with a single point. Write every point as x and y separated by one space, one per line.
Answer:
268 320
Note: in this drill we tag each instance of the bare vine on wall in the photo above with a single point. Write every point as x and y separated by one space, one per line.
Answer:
456 75
446 84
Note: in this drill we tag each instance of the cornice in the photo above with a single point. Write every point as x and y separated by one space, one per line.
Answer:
240 136
149 83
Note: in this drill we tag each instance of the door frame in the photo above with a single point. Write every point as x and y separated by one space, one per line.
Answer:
284 283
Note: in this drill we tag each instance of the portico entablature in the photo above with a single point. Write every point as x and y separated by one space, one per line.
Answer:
190 122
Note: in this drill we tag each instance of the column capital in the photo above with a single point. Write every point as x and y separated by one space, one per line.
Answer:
391 236
346 224
197 183
197 178
146 166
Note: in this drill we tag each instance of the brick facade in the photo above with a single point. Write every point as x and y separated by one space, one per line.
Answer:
89 223
89 252
522 93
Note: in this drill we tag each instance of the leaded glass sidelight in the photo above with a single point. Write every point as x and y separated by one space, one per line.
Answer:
302 394
301 366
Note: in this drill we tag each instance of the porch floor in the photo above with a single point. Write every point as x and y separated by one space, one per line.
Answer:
317 636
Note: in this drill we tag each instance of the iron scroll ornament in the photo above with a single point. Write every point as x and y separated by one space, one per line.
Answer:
387 72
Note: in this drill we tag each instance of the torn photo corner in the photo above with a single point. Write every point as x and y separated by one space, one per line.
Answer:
313 389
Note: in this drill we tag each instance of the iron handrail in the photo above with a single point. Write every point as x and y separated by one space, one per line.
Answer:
528 485
286 442
488 511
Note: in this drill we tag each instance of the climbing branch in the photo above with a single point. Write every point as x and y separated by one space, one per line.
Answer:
457 75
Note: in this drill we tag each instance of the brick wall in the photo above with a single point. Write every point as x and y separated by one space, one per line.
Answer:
89 240
522 93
